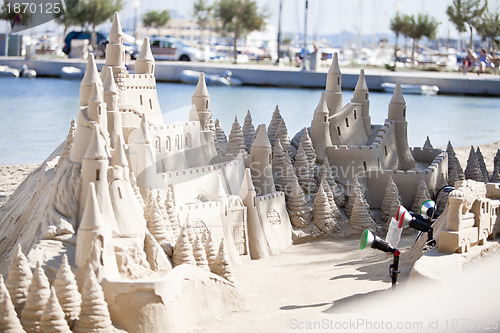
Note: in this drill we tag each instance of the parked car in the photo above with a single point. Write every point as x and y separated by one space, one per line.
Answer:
102 40
173 49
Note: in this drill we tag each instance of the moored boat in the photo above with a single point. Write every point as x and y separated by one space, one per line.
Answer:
418 89
226 79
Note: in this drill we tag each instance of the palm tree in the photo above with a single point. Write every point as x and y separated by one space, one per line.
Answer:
397 26
156 19
466 12
489 28
202 12
423 26
238 18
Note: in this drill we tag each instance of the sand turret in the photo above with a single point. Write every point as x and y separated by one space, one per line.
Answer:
111 98
94 169
361 95
397 105
91 76
261 167
333 93
96 108
115 50
320 131
91 227
145 63
397 113
200 102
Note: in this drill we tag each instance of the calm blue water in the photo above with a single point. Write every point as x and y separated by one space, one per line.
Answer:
35 114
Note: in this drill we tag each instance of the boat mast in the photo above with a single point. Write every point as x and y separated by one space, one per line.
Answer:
279 32
305 37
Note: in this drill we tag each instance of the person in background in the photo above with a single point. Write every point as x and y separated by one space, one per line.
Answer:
484 61
468 62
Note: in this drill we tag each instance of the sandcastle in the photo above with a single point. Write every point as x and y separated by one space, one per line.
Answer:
136 223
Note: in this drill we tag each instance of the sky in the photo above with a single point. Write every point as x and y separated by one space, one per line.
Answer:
332 16
324 16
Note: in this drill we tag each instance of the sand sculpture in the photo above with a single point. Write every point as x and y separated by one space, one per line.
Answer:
472 216
66 289
391 197
9 322
248 131
19 279
134 206
53 317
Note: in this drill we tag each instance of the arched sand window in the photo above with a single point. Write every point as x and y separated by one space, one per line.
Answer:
168 144
189 141
355 115
97 174
347 122
158 144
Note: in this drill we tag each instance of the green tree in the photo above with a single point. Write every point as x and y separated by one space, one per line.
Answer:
238 18
489 29
423 26
68 19
466 12
14 17
202 12
90 13
398 26
156 19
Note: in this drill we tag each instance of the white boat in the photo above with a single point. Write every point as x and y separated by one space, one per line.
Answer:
411 88
226 79
6 71
26 72
71 73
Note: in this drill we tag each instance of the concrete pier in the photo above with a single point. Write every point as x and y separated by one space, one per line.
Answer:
269 75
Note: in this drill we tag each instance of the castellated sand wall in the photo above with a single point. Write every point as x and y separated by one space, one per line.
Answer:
373 164
348 161
407 181
273 216
204 178
347 126
140 92
177 146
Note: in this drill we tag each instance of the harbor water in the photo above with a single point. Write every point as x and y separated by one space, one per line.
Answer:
36 113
